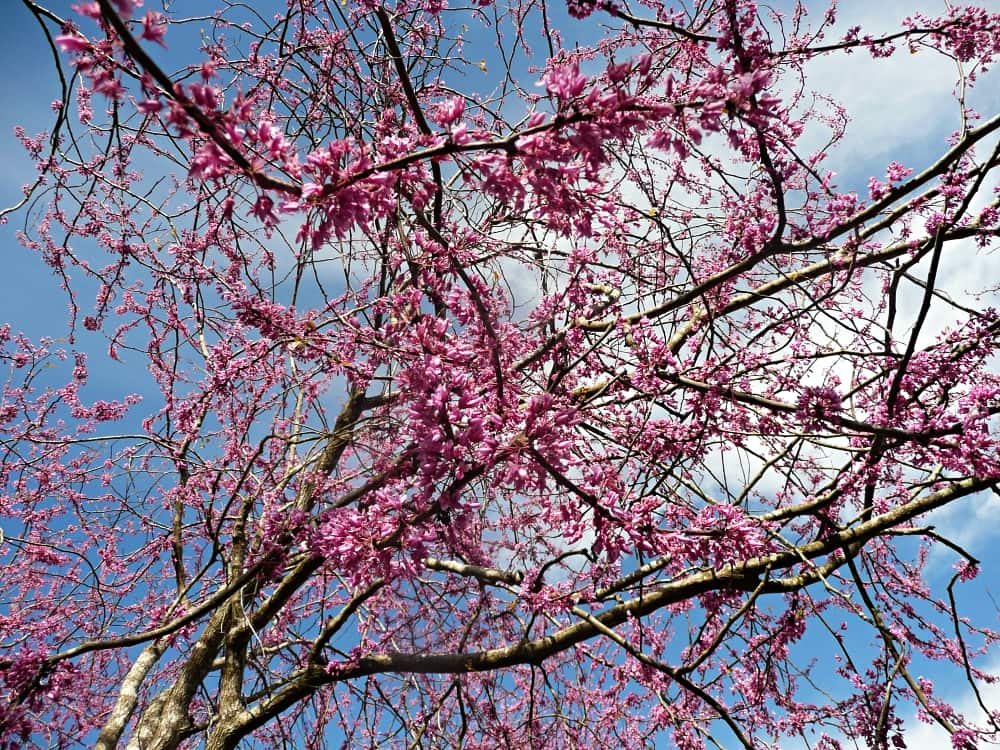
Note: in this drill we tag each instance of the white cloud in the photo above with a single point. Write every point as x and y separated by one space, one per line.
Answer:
921 736
969 523
899 106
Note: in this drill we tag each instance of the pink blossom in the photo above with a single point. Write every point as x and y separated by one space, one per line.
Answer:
72 43
819 405
496 430
564 81
88 9
449 111
154 26
149 106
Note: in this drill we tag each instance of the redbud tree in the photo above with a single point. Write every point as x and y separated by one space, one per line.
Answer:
521 374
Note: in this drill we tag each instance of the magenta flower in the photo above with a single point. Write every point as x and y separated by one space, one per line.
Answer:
818 407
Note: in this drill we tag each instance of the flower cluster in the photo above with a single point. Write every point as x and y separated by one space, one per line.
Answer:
818 407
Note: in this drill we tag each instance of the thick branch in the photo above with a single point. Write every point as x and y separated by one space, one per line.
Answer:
743 576
128 696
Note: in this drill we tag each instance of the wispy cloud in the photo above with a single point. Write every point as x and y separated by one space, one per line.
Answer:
900 107
923 736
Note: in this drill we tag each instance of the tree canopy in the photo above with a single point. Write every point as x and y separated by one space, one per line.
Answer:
514 374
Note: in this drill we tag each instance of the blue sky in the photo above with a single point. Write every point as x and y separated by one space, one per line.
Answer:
24 100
